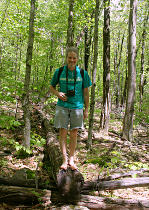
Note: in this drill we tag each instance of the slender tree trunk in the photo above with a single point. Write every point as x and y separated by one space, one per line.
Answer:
87 47
105 113
129 111
1 56
47 73
25 97
70 31
119 74
92 104
142 77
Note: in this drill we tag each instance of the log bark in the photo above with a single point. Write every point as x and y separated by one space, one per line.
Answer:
29 183
29 196
113 185
96 202
21 195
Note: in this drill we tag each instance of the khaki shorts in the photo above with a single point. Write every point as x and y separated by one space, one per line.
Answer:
65 118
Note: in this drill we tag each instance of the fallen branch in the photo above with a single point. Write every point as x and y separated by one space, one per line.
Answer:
130 173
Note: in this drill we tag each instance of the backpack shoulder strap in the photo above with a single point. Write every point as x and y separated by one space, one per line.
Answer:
59 72
82 73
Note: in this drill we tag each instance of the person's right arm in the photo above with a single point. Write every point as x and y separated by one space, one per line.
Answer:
60 95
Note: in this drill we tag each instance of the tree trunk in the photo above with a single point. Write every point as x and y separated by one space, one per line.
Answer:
142 77
129 111
25 97
92 104
118 74
105 113
70 30
123 98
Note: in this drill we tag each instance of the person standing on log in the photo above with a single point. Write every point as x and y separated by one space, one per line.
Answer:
72 95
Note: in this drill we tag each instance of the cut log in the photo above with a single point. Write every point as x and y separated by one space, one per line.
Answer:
69 182
119 184
28 196
30 183
21 195
95 202
69 185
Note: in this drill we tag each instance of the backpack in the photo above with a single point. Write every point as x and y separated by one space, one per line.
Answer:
61 69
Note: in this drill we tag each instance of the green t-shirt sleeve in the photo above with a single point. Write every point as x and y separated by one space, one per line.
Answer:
54 80
86 81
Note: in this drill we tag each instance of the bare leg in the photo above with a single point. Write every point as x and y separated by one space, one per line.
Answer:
72 147
63 147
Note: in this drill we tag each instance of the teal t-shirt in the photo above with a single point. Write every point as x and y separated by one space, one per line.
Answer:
77 101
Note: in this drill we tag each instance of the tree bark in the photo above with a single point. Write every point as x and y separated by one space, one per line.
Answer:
123 99
114 185
129 111
142 77
105 113
21 195
92 103
118 74
25 97
95 202
70 30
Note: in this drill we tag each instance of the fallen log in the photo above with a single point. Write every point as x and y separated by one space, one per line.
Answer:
32 197
22 195
113 185
30 183
69 182
142 172
96 202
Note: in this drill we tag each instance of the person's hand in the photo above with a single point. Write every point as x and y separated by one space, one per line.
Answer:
85 114
62 96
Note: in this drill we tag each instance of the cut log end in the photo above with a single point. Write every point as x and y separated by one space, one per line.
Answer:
69 183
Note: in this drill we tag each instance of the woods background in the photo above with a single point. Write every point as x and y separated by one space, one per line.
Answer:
33 39
113 42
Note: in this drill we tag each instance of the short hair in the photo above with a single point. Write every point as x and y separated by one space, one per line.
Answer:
72 49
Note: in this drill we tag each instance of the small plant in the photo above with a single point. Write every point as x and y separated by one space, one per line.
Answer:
37 140
136 165
104 161
8 122
23 152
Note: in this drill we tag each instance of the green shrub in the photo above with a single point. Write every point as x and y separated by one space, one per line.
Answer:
8 122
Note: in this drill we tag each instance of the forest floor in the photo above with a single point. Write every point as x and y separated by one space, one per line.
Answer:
110 155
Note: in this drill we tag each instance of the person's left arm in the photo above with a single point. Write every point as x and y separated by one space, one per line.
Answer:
86 102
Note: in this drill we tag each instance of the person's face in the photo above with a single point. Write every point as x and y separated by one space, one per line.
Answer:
72 59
